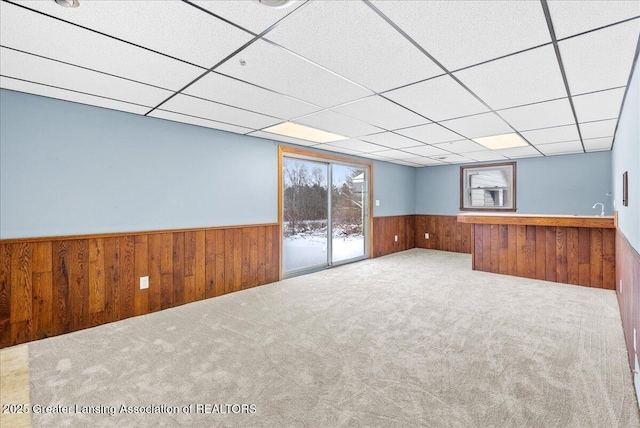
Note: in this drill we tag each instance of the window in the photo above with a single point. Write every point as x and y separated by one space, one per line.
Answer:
488 187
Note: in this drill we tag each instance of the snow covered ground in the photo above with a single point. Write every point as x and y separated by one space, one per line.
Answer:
310 249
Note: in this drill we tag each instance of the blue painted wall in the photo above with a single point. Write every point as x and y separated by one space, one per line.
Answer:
68 168
568 184
626 157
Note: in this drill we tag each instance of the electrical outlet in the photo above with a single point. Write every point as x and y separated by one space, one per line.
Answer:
144 282
396 238
426 236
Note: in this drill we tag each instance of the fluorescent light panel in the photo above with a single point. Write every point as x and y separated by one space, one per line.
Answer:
504 141
294 130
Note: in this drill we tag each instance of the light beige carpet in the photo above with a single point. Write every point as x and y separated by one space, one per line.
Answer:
412 339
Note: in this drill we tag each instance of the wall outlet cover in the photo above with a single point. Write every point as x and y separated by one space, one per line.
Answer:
144 282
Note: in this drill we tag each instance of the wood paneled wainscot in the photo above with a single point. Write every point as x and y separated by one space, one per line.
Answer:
568 249
51 286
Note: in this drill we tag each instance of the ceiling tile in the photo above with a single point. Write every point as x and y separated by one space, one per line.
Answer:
542 115
396 154
338 124
283 138
430 134
427 151
62 94
186 104
174 28
392 140
598 144
223 89
601 59
561 148
52 73
572 17
438 99
354 42
274 68
31 32
426 161
485 155
519 152
599 105
176 117
248 14
481 125
361 146
462 146
462 33
382 112
552 135
602 128
375 156
455 159
404 162
524 78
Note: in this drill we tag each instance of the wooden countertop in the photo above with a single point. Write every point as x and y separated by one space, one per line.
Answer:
606 222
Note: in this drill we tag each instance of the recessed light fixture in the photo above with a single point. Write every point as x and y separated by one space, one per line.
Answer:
294 130
68 3
504 141
276 4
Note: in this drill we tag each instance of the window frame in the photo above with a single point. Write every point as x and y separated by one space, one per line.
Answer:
464 188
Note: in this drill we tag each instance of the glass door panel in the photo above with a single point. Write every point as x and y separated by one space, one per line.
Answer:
348 212
305 215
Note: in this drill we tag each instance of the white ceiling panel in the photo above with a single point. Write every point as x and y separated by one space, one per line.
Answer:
361 146
356 43
337 149
396 154
39 70
62 94
31 32
405 162
462 33
283 138
171 27
375 156
221 113
462 146
524 78
552 135
601 59
519 152
481 125
338 124
542 115
572 17
223 89
274 68
427 151
598 144
248 14
599 105
438 99
176 117
430 134
455 159
392 140
426 161
602 128
485 155
382 112
561 148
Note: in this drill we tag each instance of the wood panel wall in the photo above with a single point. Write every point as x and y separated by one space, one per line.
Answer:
628 271
445 233
59 285
385 229
571 255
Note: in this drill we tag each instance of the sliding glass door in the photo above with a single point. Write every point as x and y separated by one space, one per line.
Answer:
325 214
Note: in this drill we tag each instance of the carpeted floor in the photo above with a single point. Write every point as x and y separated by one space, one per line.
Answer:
412 339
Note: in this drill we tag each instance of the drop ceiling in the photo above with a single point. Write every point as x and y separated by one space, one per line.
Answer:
406 82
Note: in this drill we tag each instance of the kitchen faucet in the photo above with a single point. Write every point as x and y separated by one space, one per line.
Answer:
602 205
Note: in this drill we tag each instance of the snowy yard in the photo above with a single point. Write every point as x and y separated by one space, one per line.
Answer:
310 249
